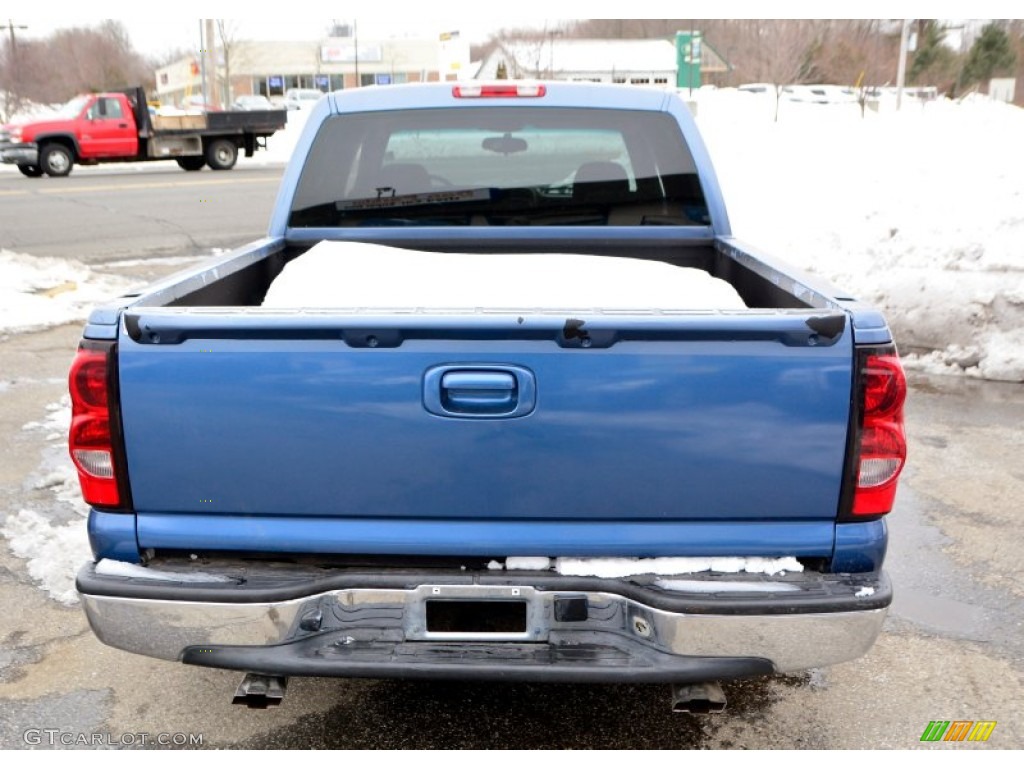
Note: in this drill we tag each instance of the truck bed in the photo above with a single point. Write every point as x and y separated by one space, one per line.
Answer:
242 278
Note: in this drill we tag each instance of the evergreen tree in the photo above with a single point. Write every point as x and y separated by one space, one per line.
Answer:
933 59
990 55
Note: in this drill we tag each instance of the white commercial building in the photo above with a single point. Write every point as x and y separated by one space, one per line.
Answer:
640 62
272 67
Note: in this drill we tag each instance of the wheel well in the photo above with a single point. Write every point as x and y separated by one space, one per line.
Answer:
67 141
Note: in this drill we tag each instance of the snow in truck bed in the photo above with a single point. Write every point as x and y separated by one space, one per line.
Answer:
368 276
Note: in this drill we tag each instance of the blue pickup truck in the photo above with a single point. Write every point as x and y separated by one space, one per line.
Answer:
470 458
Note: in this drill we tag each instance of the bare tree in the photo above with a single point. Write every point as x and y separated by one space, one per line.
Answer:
859 53
783 52
78 60
227 30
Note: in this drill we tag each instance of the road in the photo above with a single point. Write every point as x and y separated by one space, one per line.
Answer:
953 646
110 212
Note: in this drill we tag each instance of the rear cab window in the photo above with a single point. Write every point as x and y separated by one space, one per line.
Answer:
503 166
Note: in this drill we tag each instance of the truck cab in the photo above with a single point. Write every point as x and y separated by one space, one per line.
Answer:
88 127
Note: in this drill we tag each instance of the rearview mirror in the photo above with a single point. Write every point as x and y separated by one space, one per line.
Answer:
505 145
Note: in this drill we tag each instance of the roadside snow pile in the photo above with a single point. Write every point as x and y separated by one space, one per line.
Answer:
918 212
39 292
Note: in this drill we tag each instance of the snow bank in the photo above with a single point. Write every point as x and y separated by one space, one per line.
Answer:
919 212
362 275
40 292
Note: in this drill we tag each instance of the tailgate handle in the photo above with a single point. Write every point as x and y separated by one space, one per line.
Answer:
479 392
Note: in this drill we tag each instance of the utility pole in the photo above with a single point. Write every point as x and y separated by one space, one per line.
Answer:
901 71
202 61
355 45
213 97
12 67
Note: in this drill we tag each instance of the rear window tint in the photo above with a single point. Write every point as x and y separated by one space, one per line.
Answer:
499 167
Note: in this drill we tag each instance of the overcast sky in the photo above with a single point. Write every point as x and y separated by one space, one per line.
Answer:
299 20
153 38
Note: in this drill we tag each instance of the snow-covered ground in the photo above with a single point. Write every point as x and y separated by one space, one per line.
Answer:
919 212
40 292
53 541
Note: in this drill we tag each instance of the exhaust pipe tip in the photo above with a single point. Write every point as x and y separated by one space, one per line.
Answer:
260 691
698 698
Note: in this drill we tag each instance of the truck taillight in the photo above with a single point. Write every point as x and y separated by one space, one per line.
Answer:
882 443
92 441
510 91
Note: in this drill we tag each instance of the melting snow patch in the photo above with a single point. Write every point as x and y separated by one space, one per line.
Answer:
57 473
865 592
621 567
39 293
694 585
57 421
54 553
118 568
527 563
169 261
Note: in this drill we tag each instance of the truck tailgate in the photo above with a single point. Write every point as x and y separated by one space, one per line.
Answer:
669 421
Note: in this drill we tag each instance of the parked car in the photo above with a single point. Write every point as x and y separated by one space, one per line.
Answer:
198 104
760 88
820 94
254 102
301 98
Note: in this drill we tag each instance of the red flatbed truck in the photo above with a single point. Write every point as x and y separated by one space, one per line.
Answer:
117 127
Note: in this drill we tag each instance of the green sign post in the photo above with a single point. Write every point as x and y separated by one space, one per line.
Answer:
688 55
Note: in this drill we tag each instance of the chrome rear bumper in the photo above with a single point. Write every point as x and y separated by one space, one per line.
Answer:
570 629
